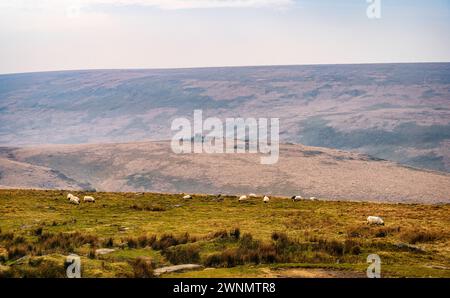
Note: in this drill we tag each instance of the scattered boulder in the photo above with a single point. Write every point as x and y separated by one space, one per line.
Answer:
104 251
177 268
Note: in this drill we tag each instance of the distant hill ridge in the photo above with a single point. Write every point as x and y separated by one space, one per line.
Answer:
398 112
152 166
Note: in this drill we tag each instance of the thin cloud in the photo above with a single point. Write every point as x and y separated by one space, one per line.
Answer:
191 4
162 4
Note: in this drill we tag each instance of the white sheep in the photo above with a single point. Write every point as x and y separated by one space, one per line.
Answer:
69 196
88 199
242 198
266 199
312 199
375 220
252 195
296 198
74 200
187 197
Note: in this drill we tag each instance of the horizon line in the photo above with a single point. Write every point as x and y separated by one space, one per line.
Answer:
214 67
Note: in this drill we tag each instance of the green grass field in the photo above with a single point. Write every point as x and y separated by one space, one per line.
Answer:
230 239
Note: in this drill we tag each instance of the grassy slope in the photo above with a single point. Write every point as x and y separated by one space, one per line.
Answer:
23 211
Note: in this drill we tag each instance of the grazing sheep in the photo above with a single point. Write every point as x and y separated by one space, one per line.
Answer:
74 200
242 198
187 197
69 196
266 199
375 220
252 195
312 199
296 198
88 199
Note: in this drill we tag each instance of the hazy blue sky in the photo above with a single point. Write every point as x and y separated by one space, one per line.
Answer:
38 35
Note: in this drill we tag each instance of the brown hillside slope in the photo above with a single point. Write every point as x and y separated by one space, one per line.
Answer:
310 171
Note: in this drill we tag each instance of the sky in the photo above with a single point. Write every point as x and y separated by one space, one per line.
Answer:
45 35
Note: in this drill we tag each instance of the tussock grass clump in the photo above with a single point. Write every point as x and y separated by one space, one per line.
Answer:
372 231
18 251
282 249
222 234
145 240
143 207
66 242
421 236
248 251
182 254
19 240
8 236
38 231
92 254
131 242
165 241
37 268
168 240
233 235
108 242
142 268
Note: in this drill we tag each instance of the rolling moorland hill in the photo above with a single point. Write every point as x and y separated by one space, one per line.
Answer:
398 112
153 167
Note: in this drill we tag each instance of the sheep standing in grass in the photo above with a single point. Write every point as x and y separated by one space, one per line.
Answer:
266 199
187 197
88 199
296 198
74 200
69 196
375 220
312 199
252 195
242 198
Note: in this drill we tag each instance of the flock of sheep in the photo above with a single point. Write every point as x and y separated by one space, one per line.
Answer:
373 220
266 199
76 200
